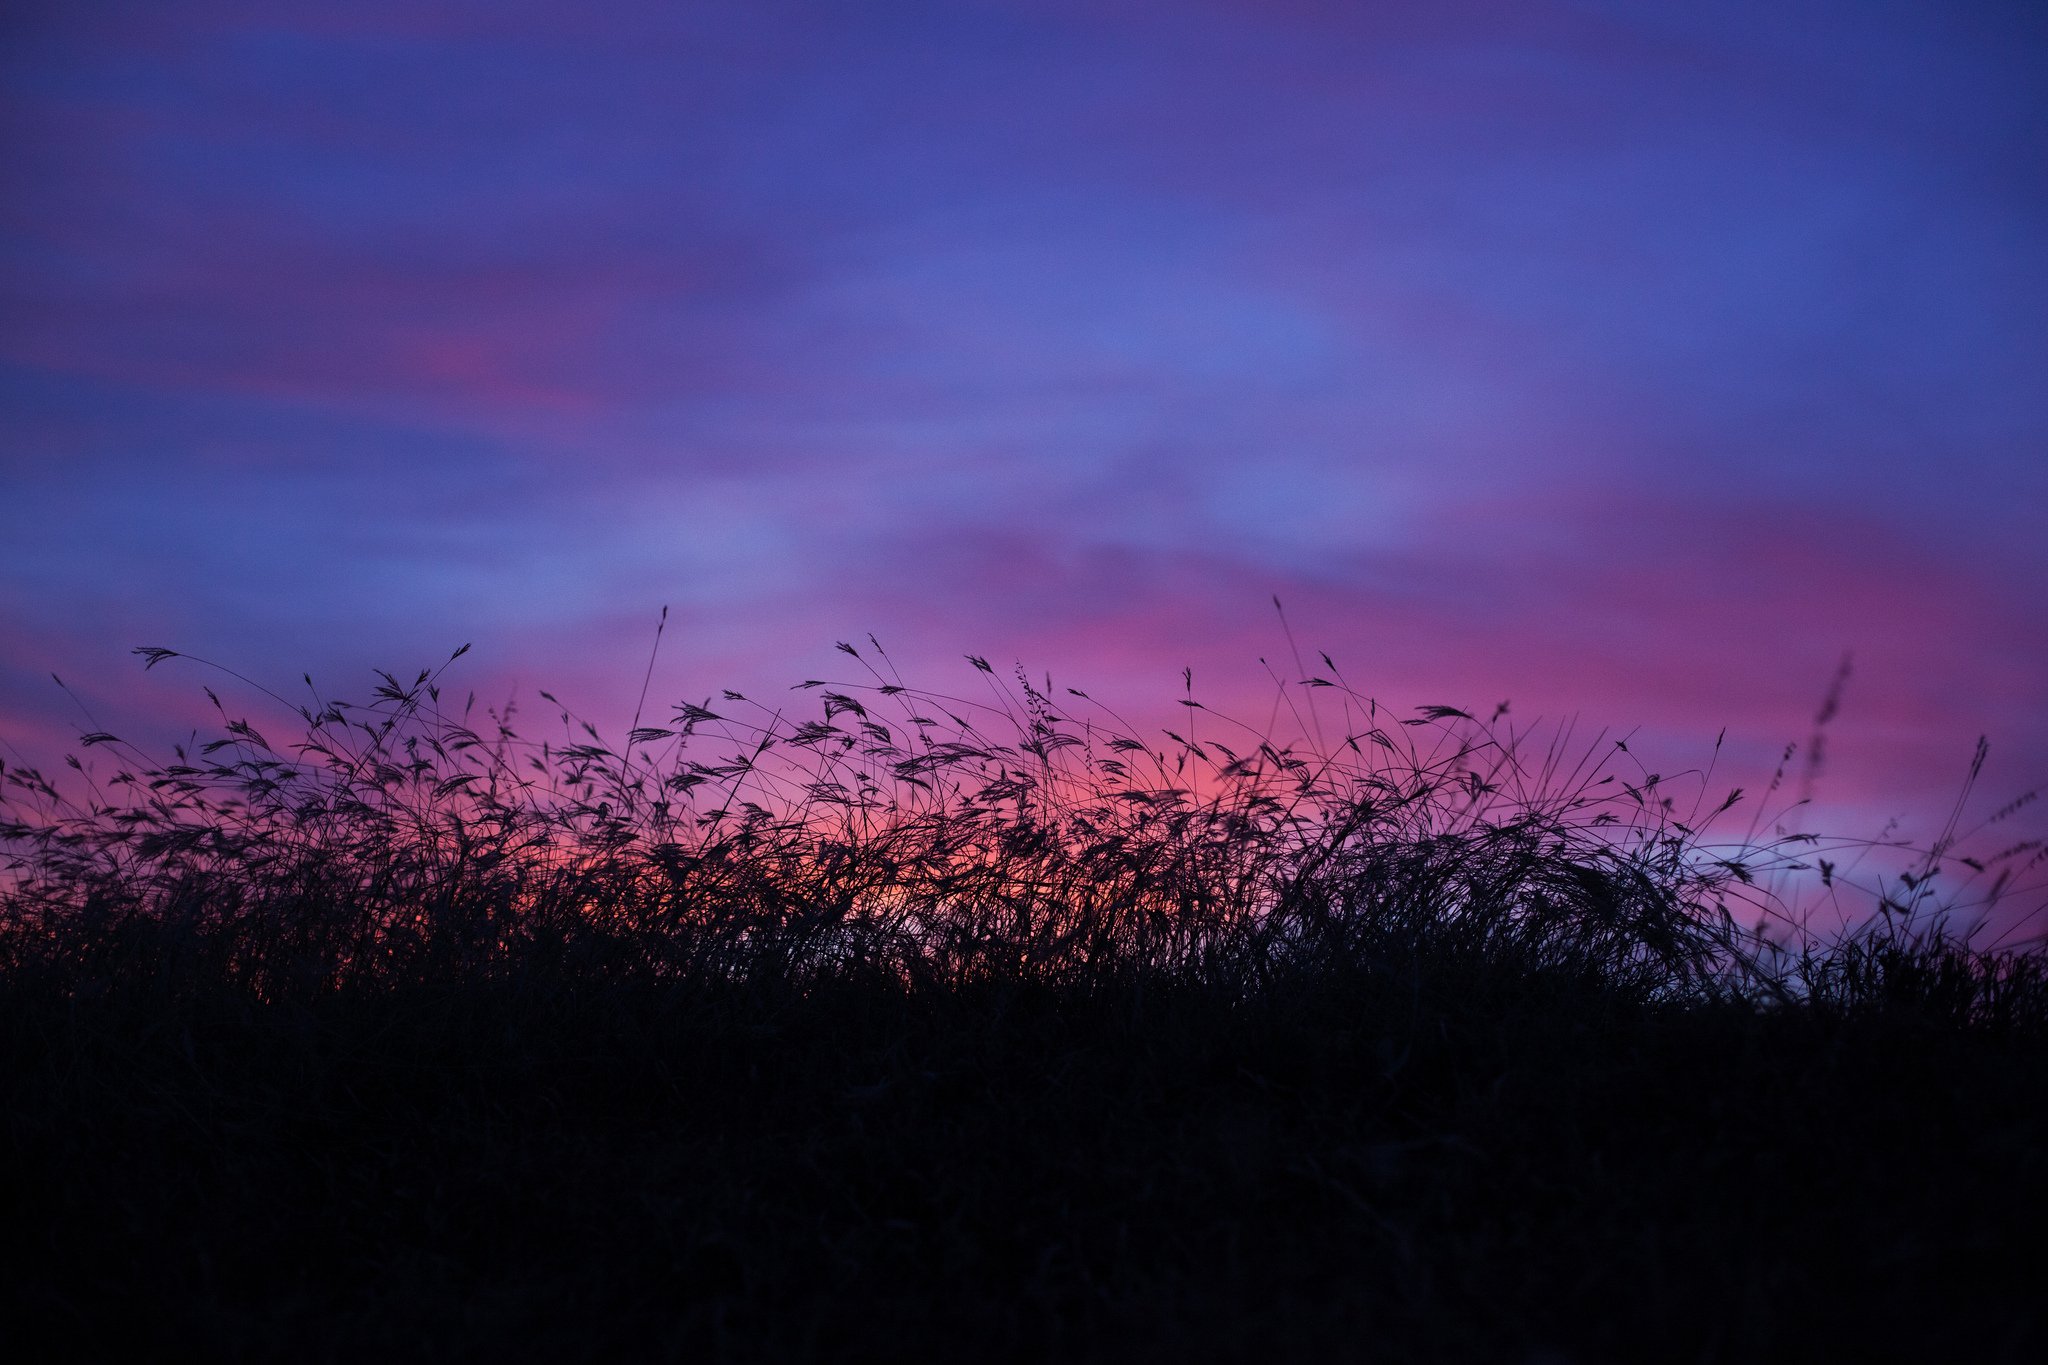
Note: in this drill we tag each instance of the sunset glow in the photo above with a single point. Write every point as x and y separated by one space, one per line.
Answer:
1628 362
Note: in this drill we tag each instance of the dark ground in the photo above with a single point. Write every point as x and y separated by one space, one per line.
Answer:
1404 1166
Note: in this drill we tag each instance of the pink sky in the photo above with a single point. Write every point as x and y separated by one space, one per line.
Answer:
1632 362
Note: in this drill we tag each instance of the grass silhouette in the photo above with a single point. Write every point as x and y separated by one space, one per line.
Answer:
891 1023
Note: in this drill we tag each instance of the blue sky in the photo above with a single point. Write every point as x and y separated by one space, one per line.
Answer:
1627 360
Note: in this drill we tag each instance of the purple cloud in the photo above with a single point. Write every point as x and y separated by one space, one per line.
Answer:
1616 359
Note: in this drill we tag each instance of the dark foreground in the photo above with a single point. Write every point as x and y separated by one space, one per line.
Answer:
1421 1164
896 1034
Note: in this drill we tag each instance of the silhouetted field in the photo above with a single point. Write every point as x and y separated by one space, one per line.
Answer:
928 1027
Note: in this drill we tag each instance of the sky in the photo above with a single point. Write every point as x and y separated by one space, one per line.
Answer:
1629 362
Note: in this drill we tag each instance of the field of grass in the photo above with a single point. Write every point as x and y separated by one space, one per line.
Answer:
923 1026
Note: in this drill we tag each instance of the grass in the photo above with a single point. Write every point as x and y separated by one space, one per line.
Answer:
897 1024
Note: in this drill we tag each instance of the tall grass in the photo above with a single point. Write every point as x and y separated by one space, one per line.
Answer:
875 829
874 1022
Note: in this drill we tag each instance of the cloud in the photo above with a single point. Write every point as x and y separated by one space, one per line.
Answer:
1619 360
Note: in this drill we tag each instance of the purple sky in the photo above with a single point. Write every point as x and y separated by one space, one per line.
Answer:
1627 360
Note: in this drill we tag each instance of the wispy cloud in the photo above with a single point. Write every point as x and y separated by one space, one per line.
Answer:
1614 358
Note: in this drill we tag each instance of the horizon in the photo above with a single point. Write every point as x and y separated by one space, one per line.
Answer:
1611 362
